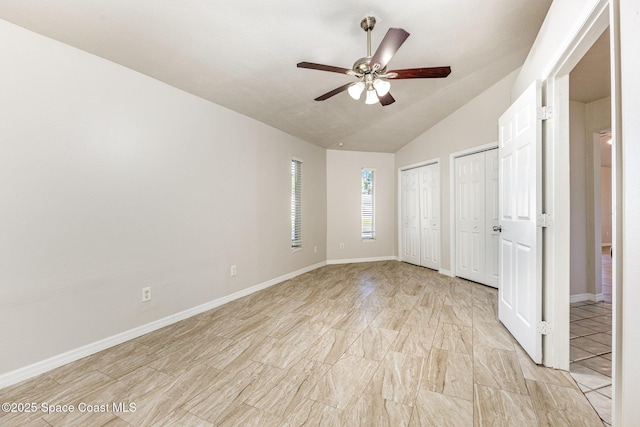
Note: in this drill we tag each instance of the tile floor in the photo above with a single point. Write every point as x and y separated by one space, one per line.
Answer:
590 334
376 344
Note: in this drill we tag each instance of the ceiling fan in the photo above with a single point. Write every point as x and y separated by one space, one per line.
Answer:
371 71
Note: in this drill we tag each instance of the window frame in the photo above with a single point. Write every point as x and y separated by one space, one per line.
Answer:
368 210
295 167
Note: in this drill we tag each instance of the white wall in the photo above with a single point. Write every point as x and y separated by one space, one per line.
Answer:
586 122
474 124
578 199
344 203
598 119
605 204
111 181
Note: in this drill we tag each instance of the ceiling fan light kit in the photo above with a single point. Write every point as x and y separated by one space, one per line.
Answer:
371 71
355 90
372 97
382 86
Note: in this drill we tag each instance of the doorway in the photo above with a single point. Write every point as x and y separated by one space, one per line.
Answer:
590 338
556 179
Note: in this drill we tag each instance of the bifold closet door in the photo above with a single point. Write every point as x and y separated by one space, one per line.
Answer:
420 207
430 216
410 216
476 192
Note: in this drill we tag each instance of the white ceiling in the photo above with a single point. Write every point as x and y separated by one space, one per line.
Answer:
243 54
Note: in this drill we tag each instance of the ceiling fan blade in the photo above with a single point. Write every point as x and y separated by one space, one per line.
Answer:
323 67
333 92
386 99
421 73
388 47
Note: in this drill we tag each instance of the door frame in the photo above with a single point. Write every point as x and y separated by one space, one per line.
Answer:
452 197
399 201
556 237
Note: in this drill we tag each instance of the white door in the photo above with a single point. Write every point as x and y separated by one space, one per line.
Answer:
470 217
492 241
520 289
410 217
476 192
430 216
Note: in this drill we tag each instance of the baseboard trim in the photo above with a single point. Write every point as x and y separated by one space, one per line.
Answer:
46 365
586 297
606 244
357 260
445 272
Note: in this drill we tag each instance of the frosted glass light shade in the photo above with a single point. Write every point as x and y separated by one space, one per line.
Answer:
356 90
382 86
372 98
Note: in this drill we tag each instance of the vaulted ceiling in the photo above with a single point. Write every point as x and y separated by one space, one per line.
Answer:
243 55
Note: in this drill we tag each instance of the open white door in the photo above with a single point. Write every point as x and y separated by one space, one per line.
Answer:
520 183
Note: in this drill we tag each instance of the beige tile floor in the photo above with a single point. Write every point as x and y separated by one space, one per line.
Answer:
375 344
590 334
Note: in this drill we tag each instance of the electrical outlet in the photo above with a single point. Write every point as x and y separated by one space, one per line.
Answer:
233 270
146 294
341 245
315 249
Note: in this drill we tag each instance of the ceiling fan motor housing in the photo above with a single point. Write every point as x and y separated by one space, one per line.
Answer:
363 66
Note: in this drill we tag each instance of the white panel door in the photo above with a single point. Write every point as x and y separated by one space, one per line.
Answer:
470 217
430 216
492 240
520 288
410 217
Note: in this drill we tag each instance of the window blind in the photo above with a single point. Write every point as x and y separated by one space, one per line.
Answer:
296 203
368 205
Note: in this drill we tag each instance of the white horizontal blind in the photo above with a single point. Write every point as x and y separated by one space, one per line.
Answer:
368 205
296 204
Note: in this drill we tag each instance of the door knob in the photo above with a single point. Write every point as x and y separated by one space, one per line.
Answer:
497 228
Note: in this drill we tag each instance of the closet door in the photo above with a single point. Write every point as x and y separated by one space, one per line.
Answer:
470 217
410 216
476 190
430 216
492 219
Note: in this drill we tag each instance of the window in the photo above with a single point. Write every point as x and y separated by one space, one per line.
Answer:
368 205
296 204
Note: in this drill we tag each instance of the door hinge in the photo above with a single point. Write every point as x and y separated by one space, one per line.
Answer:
545 113
544 328
544 220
